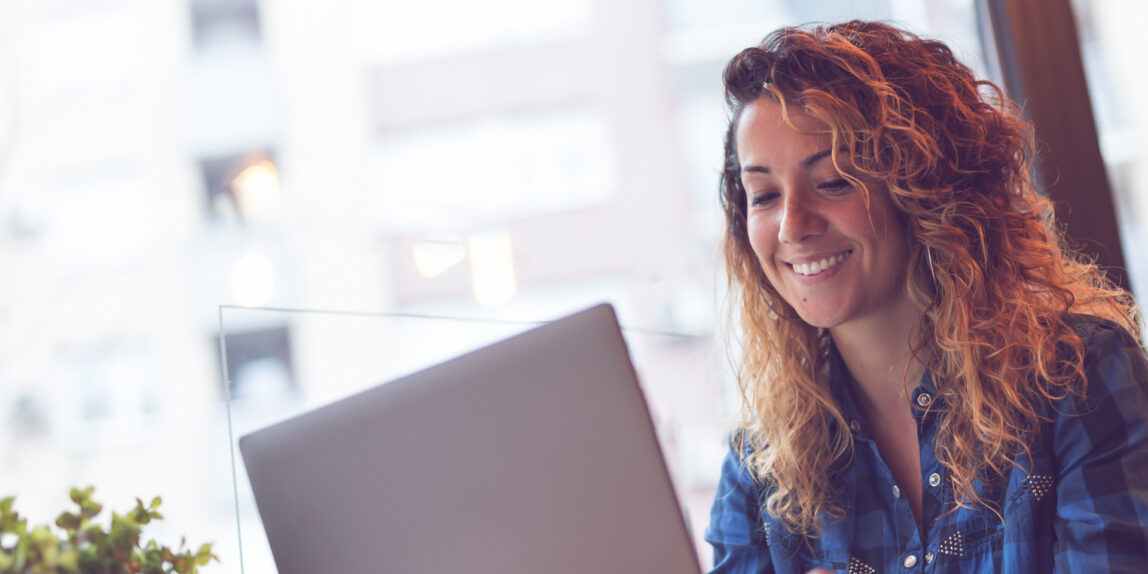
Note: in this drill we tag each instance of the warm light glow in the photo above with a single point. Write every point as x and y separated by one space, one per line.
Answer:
253 280
433 257
257 189
492 268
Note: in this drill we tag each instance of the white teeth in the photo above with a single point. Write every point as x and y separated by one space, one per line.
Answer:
816 267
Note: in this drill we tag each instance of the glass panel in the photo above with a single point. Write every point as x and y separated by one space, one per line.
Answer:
280 363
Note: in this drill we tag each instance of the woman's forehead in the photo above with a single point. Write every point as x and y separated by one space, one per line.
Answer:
767 133
795 115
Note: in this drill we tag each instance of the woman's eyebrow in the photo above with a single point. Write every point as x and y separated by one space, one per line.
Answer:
805 163
816 157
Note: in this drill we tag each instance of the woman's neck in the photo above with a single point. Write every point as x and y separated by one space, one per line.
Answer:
878 354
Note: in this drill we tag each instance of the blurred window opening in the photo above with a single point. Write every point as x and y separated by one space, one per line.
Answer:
115 384
217 23
260 363
240 186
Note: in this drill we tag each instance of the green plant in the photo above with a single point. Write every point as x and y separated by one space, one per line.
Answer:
84 546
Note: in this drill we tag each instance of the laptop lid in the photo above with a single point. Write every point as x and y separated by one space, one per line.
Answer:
535 454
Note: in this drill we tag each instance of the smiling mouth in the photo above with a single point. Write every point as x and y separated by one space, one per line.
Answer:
816 267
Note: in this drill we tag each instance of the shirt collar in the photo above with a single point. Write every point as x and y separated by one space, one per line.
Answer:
841 389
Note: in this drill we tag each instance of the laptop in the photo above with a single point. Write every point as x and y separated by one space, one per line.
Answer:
533 455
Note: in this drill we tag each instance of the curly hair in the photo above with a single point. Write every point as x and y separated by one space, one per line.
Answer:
988 266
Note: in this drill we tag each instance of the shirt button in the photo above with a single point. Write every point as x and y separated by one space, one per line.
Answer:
896 491
924 399
854 426
929 557
934 480
910 561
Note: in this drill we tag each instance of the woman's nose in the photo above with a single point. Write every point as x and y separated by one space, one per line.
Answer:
800 220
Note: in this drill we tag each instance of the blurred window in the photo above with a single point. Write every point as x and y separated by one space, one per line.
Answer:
239 186
218 23
260 362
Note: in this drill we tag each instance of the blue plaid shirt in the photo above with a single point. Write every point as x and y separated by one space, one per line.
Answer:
1080 505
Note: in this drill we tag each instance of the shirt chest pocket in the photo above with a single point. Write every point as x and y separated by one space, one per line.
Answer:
793 553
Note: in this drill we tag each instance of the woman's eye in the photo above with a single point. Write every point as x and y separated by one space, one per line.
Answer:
836 186
762 198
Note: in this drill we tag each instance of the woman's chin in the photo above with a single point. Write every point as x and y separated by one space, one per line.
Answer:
821 319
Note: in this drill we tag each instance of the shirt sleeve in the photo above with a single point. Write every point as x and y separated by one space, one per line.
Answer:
1101 448
736 531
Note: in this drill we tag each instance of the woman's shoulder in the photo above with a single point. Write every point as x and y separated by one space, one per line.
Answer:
1104 338
1101 334
1115 366
1095 329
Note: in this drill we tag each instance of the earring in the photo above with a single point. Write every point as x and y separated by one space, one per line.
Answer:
929 254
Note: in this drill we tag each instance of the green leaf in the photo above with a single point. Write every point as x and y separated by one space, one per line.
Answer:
155 502
80 496
68 521
11 522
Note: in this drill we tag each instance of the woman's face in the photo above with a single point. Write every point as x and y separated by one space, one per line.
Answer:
834 257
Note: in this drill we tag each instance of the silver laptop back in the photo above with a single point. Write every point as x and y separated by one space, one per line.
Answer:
532 455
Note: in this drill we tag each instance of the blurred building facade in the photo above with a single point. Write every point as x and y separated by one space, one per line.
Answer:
472 159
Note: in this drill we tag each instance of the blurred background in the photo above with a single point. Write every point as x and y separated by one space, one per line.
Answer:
474 160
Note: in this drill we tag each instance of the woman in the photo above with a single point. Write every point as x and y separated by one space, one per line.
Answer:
931 380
